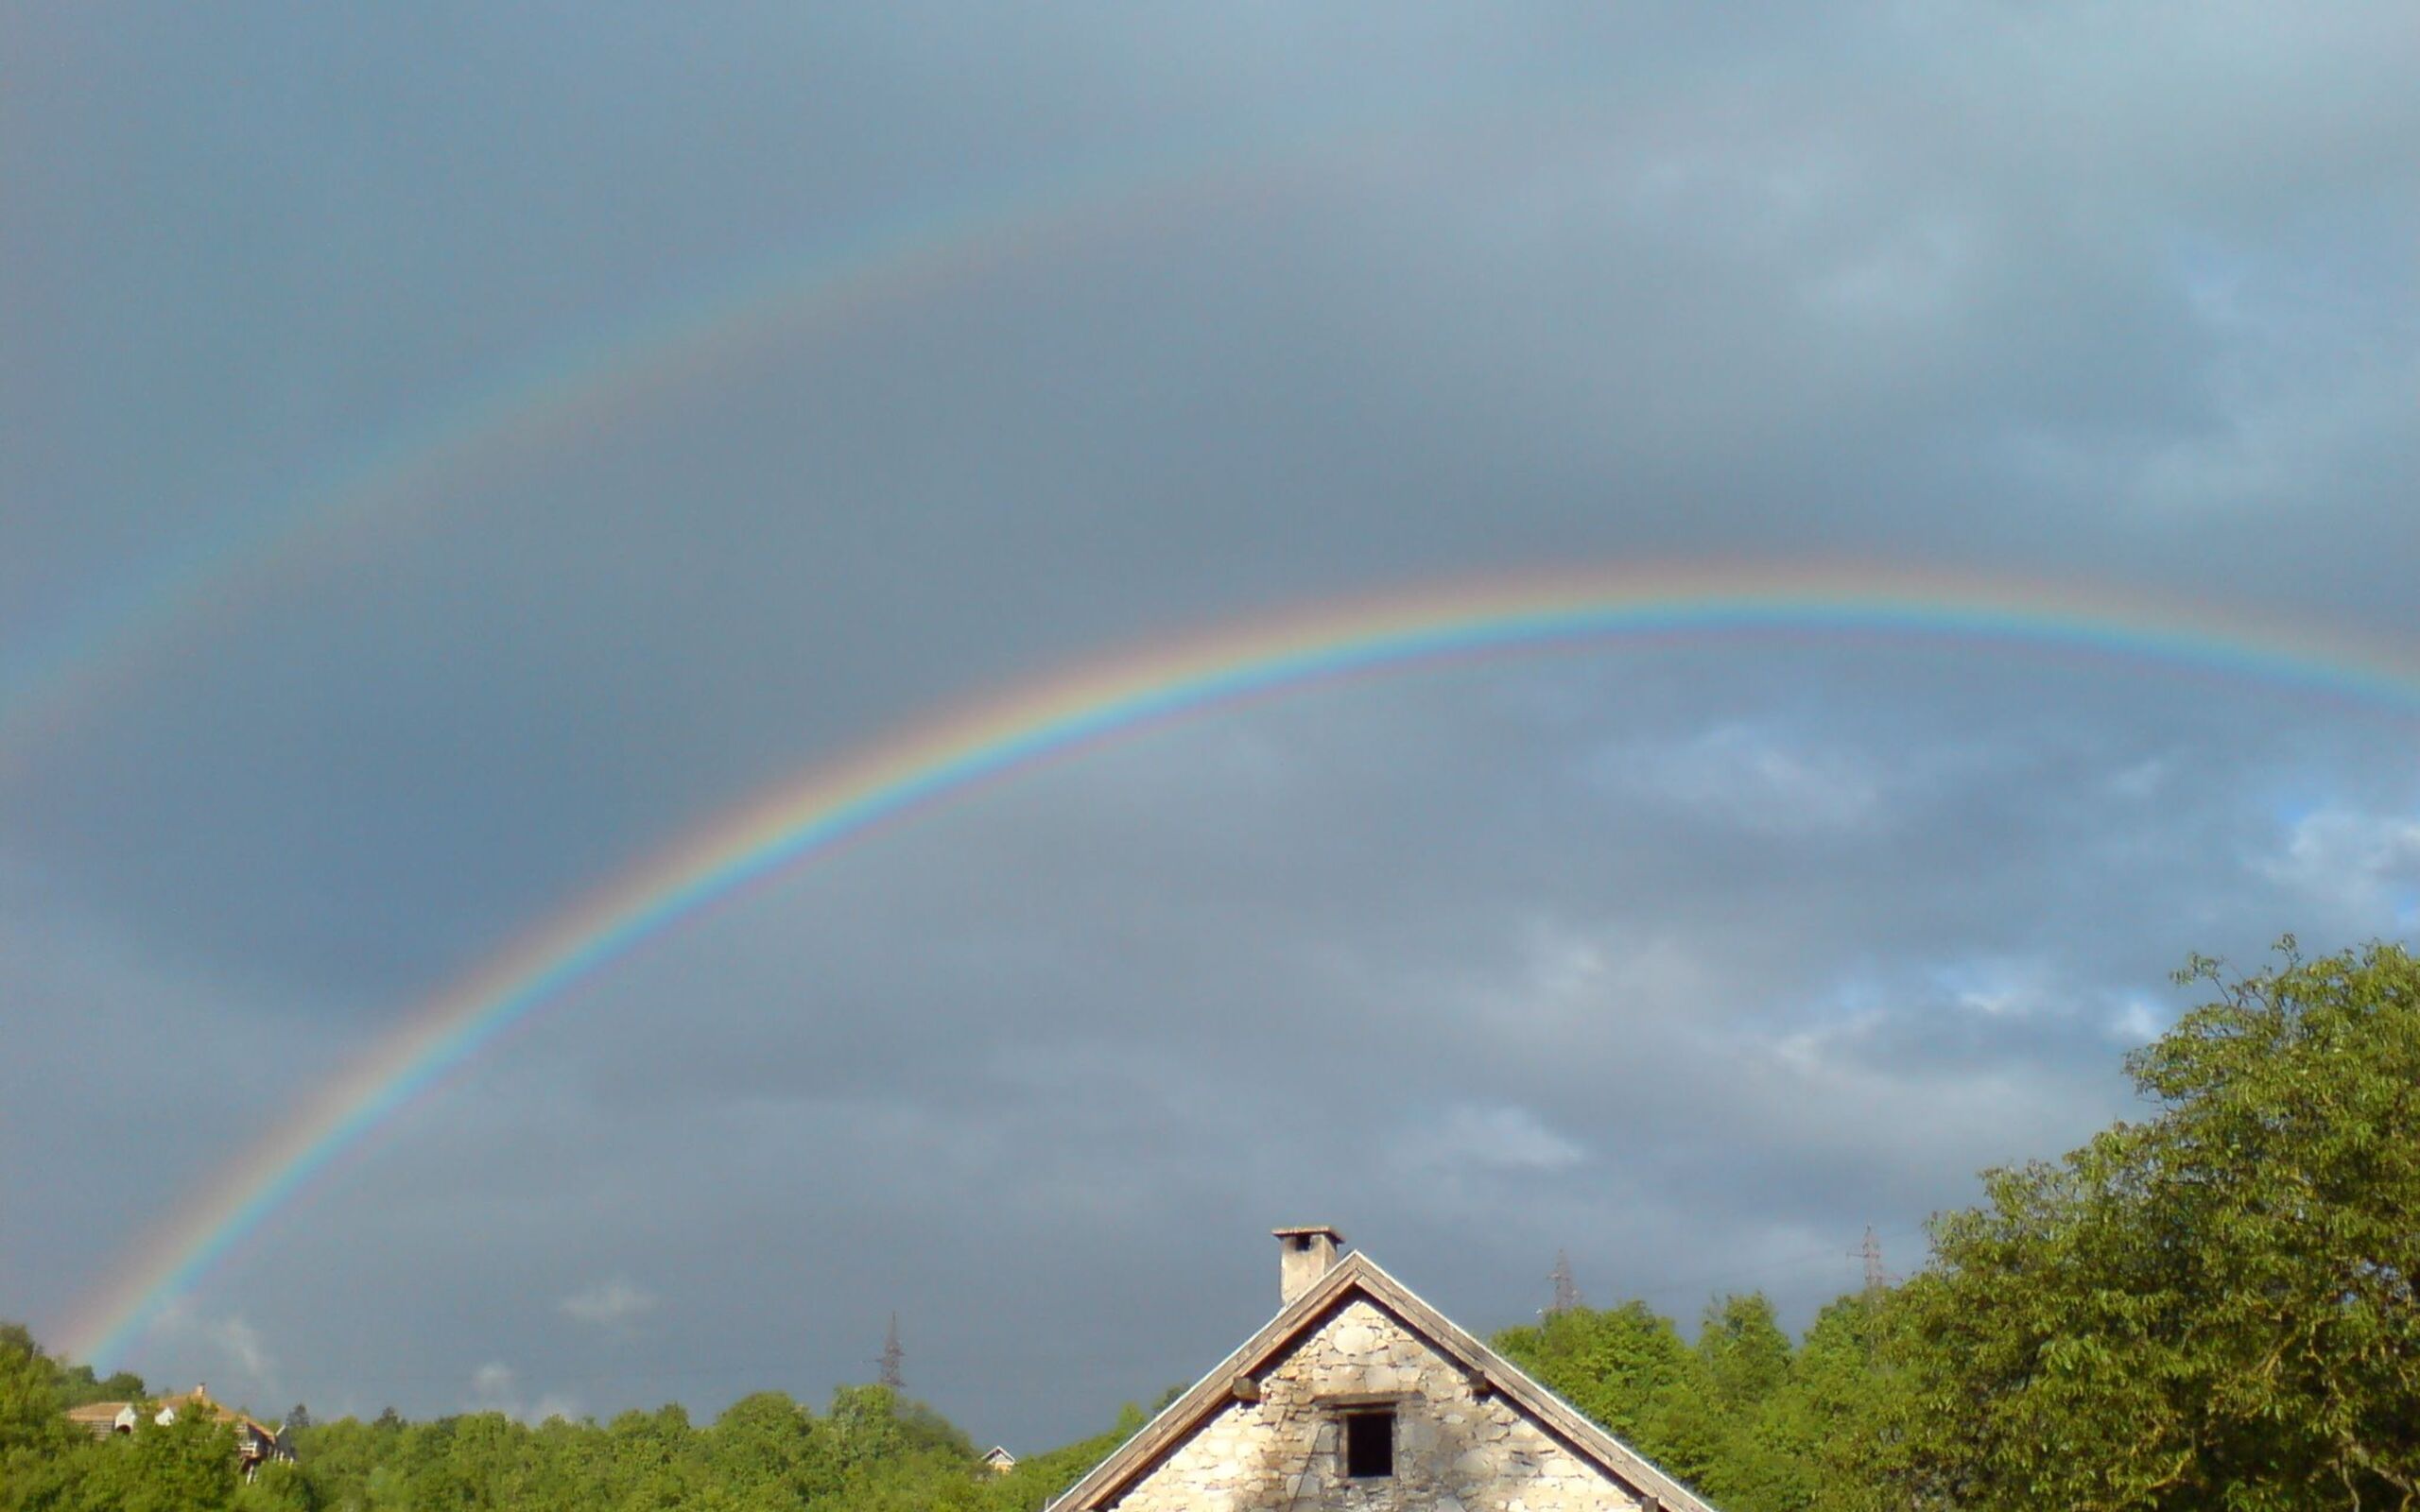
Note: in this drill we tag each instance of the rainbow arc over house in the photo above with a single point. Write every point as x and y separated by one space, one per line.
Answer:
962 749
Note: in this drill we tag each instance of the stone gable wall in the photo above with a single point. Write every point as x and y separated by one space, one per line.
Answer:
1455 1451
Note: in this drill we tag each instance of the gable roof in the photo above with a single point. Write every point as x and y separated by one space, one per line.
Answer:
199 1399
1357 1275
100 1419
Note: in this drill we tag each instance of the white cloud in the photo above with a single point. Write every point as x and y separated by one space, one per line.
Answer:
2360 863
1908 274
1577 985
496 1386
2136 1022
1499 1138
1750 778
614 1304
232 1347
2010 988
2143 779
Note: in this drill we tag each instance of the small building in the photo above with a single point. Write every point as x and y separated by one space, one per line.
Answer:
102 1418
998 1461
256 1442
1359 1397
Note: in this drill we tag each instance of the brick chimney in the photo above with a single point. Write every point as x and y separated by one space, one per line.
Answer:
1304 1255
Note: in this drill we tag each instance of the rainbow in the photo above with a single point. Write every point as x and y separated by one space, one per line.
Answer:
48 674
959 752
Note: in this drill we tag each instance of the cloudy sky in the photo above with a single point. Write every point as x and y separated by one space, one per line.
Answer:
451 453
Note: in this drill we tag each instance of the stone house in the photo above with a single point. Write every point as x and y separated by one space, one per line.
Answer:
1358 1397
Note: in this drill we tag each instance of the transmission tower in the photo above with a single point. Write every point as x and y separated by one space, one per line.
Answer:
1876 1279
891 1356
1567 1290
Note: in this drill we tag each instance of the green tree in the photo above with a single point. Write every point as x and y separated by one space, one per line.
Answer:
1038 1479
1745 1353
1841 1419
36 1444
77 1385
278 1488
2211 1308
30 1402
1738 1429
1626 1368
185 1465
769 1446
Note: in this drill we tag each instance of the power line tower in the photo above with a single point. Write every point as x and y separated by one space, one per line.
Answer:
1878 1280
891 1356
1567 1290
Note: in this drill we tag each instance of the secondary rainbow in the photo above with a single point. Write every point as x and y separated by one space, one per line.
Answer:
50 672
1056 717
550 403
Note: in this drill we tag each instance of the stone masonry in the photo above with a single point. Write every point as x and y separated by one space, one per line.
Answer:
1459 1445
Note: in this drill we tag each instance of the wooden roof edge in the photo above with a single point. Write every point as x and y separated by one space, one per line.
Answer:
1357 1271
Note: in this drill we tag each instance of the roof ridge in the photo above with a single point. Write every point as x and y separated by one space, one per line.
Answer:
1355 1271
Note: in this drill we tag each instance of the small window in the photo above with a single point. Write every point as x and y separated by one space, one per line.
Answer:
1369 1445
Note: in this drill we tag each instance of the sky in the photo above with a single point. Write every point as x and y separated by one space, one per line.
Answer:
453 454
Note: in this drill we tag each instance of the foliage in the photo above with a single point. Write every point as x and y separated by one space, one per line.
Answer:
77 1385
34 1438
2214 1307
1751 1422
1625 1366
873 1452
1040 1477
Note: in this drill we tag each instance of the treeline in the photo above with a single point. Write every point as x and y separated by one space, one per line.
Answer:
2212 1308
870 1452
1752 1421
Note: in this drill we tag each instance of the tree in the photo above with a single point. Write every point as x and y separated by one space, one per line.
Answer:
279 1487
36 1442
184 1466
1748 1417
767 1442
77 1385
2211 1307
29 1396
1745 1352
1626 1368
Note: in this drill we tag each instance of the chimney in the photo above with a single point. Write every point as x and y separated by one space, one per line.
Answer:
1306 1256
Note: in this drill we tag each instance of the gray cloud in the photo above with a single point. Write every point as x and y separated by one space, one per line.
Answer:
1692 955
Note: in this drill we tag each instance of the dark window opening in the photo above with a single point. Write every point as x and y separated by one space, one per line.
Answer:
1369 1445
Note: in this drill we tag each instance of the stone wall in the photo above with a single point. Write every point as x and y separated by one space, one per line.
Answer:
1455 1450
